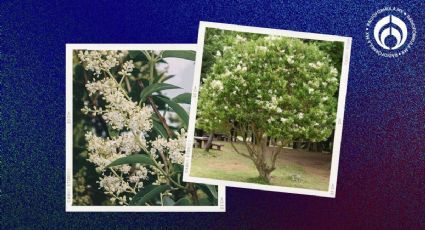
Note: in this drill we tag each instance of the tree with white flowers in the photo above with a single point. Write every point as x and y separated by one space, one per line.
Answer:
270 86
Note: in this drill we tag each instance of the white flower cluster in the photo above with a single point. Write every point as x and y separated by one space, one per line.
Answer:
127 68
240 39
316 65
114 184
273 104
174 147
271 38
102 152
98 61
217 85
121 112
241 68
261 48
334 71
134 123
290 59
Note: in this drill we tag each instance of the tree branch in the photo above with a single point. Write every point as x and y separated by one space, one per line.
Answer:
240 153
155 109
274 157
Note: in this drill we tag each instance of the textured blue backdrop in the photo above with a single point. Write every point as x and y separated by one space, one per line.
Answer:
381 180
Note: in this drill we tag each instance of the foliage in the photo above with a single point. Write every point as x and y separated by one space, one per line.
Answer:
216 41
138 155
286 87
269 86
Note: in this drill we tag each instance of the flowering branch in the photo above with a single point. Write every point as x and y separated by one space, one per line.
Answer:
133 122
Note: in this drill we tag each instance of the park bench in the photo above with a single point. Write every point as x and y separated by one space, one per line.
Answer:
200 141
218 146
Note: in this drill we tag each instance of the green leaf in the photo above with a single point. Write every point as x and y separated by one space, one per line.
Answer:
183 98
133 159
183 202
177 168
177 173
210 190
112 132
142 193
148 193
78 72
185 54
136 55
155 88
159 129
165 78
177 109
204 202
168 201
159 103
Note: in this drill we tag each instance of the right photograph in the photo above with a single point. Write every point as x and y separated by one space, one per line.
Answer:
268 109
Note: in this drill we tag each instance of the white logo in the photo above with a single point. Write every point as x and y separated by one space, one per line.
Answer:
400 35
390 32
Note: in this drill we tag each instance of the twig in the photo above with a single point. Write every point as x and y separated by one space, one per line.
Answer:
155 109
240 153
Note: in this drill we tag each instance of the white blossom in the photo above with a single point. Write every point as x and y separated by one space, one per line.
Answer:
115 118
175 147
300 115
113 184
290 59
334 71
141 121
127 68
97 61
316 65
217 85
240 38
133 122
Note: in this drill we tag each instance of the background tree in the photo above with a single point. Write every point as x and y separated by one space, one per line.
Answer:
269 86
216 42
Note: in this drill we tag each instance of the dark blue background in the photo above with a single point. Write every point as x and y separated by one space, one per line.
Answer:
381 181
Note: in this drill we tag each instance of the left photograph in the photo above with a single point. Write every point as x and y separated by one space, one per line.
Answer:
126 122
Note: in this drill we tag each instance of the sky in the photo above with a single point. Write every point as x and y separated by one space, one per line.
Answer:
184 72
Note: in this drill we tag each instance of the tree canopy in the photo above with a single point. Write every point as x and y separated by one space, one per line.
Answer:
278 86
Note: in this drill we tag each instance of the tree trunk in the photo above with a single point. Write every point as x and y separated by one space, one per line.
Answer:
264 172
209 142
257 153
296 144
261 163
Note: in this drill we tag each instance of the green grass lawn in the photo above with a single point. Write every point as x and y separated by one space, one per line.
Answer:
228 165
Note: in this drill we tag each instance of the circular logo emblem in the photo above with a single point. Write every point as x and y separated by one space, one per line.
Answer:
390 32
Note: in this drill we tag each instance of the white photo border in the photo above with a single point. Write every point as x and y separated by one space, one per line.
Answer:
331 192
69 207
